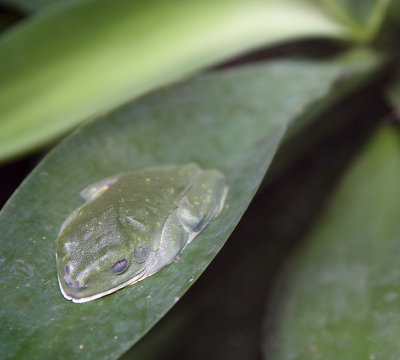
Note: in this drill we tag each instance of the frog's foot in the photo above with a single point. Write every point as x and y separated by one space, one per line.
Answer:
203 202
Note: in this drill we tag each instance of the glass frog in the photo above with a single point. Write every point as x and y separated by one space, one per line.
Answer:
132 225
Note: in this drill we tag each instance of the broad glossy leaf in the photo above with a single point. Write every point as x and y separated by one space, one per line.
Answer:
231 121
338 298
76 60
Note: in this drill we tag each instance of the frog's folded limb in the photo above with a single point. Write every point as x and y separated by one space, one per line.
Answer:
174 238
203 201
90 192
198 207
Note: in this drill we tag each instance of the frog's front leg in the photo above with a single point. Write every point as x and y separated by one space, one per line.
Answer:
174 238
202 202
92 191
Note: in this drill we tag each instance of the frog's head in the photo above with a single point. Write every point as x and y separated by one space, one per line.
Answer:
98 256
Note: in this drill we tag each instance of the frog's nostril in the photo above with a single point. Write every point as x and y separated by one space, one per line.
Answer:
71 283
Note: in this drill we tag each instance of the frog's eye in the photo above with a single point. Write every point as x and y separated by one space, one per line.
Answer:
119 266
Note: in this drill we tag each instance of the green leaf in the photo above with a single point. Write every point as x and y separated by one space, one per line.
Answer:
338 298
394 14
89 56
363 17
362 66
232 121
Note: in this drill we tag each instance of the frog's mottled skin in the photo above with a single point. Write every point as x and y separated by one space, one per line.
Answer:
132 225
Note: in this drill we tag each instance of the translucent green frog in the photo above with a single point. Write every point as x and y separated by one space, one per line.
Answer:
132 225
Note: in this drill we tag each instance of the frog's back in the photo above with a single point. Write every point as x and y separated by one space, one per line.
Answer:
149 196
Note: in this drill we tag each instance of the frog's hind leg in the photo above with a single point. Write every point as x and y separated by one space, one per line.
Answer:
174 238
203 202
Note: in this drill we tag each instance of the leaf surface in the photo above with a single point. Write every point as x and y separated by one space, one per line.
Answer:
231 121
338 298
364 18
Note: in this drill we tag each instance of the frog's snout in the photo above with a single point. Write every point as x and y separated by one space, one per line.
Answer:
73 284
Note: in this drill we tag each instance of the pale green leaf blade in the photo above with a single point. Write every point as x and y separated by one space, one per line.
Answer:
231 121
338 298
89 56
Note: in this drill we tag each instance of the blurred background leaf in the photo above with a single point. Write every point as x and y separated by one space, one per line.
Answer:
364 18
338 295
89 56
360 69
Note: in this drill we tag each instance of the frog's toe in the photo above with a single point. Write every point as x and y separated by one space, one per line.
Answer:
190 221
